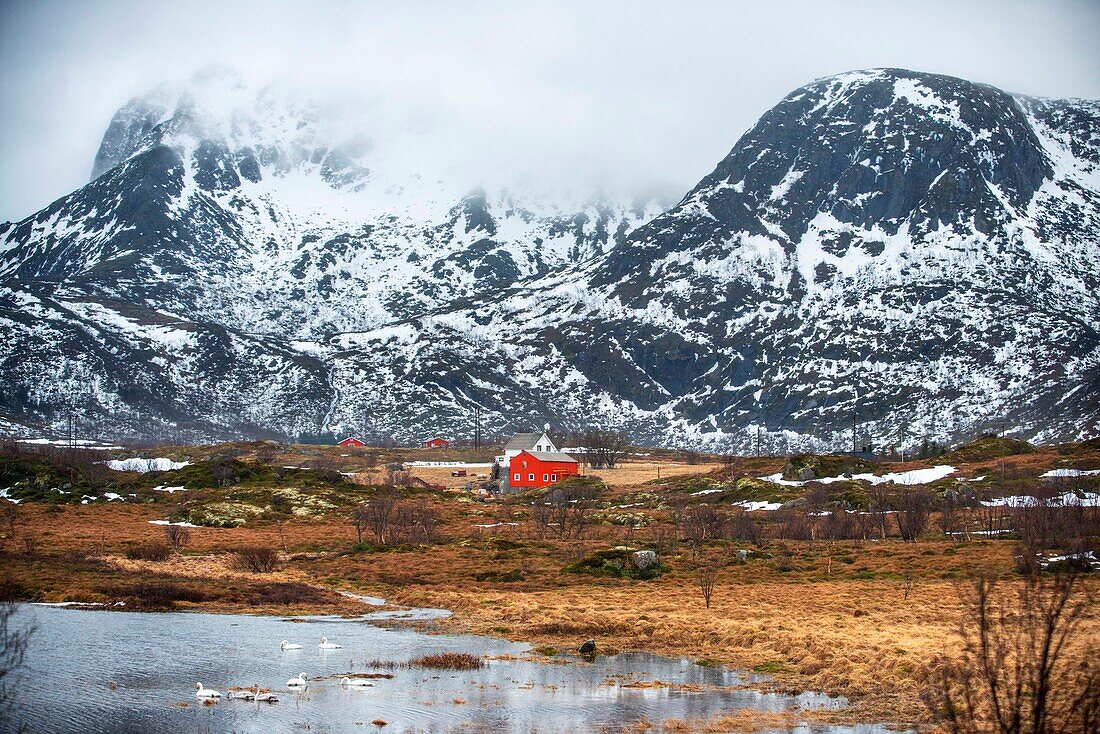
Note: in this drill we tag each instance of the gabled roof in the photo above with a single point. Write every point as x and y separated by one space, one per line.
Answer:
551 456
522 441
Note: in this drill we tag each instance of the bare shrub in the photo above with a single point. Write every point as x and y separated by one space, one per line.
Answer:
177 536
149 552
878 509
360 517
156 594
792 524
380 513
30 544
286 594
914 511
256 559
704 522
1013 676
540 512
413 523
604 448
706 575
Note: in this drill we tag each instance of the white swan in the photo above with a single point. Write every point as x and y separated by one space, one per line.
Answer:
242 695
355 683
297 682
264 697
326 645
284 645
201 692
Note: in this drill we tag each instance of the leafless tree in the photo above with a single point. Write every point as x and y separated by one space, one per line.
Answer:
914 510
878 508
604 448
1014 675
706 575
951 518
541 512
379 513
704 522
177 536
741 526
361 517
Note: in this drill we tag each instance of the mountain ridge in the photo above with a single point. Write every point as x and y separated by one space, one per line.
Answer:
908 251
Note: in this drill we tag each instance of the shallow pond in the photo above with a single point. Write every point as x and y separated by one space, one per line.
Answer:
99 671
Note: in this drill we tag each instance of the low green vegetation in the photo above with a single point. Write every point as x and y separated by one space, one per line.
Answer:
616 563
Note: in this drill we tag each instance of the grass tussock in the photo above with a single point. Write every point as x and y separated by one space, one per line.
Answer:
155 595
149 552
286 594
448 661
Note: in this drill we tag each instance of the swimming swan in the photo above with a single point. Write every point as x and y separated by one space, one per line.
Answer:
284 645
263 697
356 683
326 645
242 695
201 692
297 682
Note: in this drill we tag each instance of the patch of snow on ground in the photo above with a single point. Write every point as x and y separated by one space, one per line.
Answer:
1071 473
169 490
146 465
913 476
448 464
751 506
5 494
177 524
706 491
1090 499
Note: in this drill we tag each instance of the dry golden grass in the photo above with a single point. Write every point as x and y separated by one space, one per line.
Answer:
633 472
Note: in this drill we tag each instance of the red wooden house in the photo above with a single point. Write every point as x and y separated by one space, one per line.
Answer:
530 469
436 443
353 442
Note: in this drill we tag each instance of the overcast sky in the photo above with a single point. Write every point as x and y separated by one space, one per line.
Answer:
641 93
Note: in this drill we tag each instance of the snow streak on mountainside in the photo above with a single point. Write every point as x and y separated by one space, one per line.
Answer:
914 252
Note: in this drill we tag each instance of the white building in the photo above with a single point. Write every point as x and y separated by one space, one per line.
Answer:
525 442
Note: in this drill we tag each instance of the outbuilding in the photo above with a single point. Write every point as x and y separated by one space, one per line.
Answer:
352 441
436 443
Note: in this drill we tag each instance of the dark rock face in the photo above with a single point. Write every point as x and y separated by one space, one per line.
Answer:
910 252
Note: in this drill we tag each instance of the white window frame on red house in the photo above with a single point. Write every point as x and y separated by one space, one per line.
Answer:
518 475
553 477
546 477
530 477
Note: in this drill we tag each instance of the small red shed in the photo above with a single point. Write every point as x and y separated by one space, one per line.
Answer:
353 442
436 443
530 469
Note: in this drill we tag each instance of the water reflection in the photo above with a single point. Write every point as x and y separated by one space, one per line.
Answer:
98 671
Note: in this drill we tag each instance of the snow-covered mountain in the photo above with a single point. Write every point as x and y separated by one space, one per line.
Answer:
913 252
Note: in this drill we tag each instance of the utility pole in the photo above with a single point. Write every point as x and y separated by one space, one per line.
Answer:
1002 453
855 412
477 428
